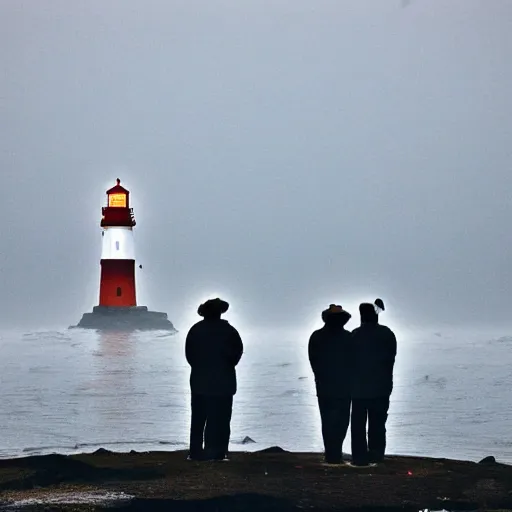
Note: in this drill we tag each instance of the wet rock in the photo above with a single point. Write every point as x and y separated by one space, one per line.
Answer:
488 460
164 481
248 440
273 449
50 470
102 451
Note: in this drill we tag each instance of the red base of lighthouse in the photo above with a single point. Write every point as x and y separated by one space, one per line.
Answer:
117 285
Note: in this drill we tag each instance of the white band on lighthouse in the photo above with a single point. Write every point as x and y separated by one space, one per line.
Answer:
118 244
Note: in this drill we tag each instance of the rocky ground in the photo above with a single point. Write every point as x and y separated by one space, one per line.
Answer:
268 480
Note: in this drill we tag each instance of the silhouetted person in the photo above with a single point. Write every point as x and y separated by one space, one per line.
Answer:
374 351
329 355
213 348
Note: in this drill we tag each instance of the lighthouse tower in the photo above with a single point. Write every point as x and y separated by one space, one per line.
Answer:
117 308
117 281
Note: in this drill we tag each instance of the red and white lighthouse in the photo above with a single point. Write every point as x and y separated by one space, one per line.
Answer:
117 281
117 308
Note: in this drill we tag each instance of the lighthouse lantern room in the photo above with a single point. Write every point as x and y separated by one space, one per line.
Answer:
117 282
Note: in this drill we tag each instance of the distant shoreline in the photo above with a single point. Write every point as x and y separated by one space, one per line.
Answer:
271 479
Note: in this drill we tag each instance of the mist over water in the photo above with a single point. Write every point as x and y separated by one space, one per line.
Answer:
75 391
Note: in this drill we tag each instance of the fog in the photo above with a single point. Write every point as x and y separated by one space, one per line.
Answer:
284 154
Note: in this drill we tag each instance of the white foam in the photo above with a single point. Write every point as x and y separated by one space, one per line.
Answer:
70 498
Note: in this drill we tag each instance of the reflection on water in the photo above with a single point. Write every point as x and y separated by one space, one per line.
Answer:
112 379
116 345
79 390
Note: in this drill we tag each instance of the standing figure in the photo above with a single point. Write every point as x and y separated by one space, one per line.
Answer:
374 351
213 348
329 355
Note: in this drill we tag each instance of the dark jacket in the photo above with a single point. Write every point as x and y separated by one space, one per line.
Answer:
329 355
374 351
213 348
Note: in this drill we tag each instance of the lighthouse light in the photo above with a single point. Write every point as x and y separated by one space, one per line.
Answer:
117 200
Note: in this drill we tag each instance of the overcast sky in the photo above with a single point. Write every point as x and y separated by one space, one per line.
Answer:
282 153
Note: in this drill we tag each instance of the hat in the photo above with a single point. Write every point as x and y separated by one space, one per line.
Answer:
380 304
370 312
366 308
376 307
335 309
213 306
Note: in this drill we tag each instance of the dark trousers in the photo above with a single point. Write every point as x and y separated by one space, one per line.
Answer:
375 411
335 416
211 419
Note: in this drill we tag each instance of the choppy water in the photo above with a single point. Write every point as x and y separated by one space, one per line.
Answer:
74 391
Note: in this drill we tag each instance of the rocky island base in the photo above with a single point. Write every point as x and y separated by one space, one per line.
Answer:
105 318
271 479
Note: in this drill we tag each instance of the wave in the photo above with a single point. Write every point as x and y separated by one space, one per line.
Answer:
40 450
46 335
149 444
292 392
504 339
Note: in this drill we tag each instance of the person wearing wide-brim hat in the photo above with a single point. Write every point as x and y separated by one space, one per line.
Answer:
374 352
329 355
334 312
213 348
213 307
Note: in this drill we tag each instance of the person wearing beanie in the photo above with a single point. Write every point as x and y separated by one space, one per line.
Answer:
213 348
374 350
329 355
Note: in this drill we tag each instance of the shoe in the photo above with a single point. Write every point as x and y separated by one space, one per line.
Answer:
375 456
217 457
358 462
195 456
361 464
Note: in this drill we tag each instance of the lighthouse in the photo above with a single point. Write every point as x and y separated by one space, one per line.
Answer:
117 281
117 308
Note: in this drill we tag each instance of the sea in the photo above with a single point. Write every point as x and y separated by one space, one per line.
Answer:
71 390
